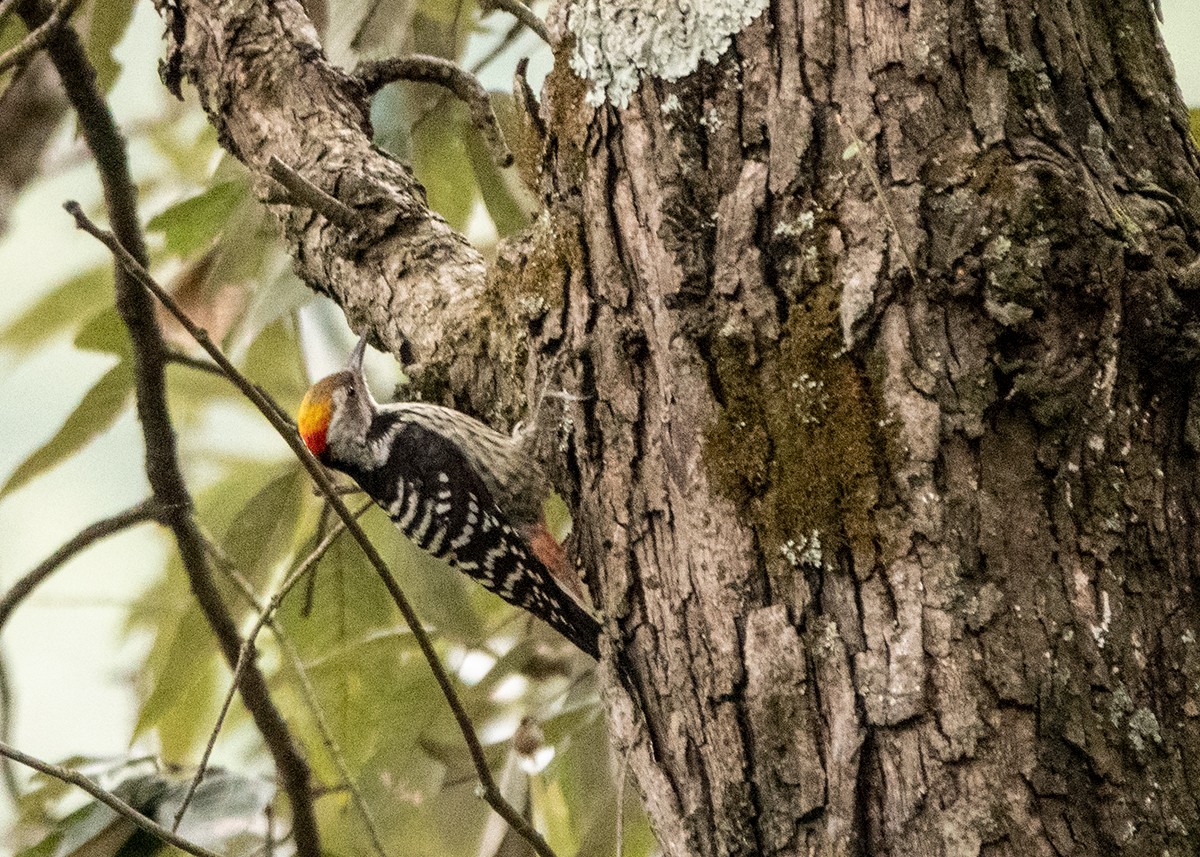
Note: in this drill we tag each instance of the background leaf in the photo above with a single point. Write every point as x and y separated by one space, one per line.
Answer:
93 416
105 333
190 225
440 161
507 200
108 22
263 532
60 308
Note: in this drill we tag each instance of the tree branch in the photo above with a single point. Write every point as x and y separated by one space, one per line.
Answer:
306 687
38 36
405 275
107 798
303 192
147 510
136 309
523 14
491 792
420 68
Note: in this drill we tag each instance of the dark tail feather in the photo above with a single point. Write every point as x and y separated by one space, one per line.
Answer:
577 625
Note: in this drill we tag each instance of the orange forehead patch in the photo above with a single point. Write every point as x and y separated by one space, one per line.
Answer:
315 412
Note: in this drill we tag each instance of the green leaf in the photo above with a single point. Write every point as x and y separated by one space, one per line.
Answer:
109 21
275 363
46 848
551 805
185 686
105 333
263 531
505 197
441 164
64 306
94 831
1194 121
98 410
191 224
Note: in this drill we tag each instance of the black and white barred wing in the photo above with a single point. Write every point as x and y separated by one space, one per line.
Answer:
437 500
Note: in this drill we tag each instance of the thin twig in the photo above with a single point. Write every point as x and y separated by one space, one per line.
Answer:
491 793
421 68
310 694
331 745
7 772
306 193
191 362
107 798
269 839
162 467
528 102
245 656
523 14
211 368
38 36
147 510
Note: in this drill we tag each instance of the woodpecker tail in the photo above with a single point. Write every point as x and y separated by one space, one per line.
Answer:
577 625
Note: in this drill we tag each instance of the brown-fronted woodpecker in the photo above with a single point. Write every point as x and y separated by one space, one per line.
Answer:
457 488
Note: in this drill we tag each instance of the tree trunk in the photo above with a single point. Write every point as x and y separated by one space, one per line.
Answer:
884 462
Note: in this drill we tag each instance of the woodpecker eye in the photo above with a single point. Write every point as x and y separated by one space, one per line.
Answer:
349 392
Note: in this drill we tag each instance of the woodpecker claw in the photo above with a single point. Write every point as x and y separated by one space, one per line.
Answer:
354 364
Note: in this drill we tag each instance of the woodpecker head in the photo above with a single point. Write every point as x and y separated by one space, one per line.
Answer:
337 410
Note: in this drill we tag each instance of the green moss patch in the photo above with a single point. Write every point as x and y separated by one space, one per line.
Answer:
795 443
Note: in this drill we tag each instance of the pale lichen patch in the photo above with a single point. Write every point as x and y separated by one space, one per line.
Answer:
618 42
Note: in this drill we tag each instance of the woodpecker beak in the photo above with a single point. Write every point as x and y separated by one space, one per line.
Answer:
354 364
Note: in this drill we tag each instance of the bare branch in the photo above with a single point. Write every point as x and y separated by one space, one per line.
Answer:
247 654
38 36
7 774
192 362
136 309
211 368
309 692
269 90
147 510
491 792
108 799
523 14
420 68
303 192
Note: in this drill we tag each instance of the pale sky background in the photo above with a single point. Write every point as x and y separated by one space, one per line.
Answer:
71 694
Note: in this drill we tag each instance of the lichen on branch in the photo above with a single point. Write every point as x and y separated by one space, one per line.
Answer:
618 42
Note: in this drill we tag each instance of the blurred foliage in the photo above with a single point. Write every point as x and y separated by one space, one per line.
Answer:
217 248
221 815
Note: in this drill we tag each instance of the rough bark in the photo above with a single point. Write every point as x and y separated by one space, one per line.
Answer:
885 462
270 92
